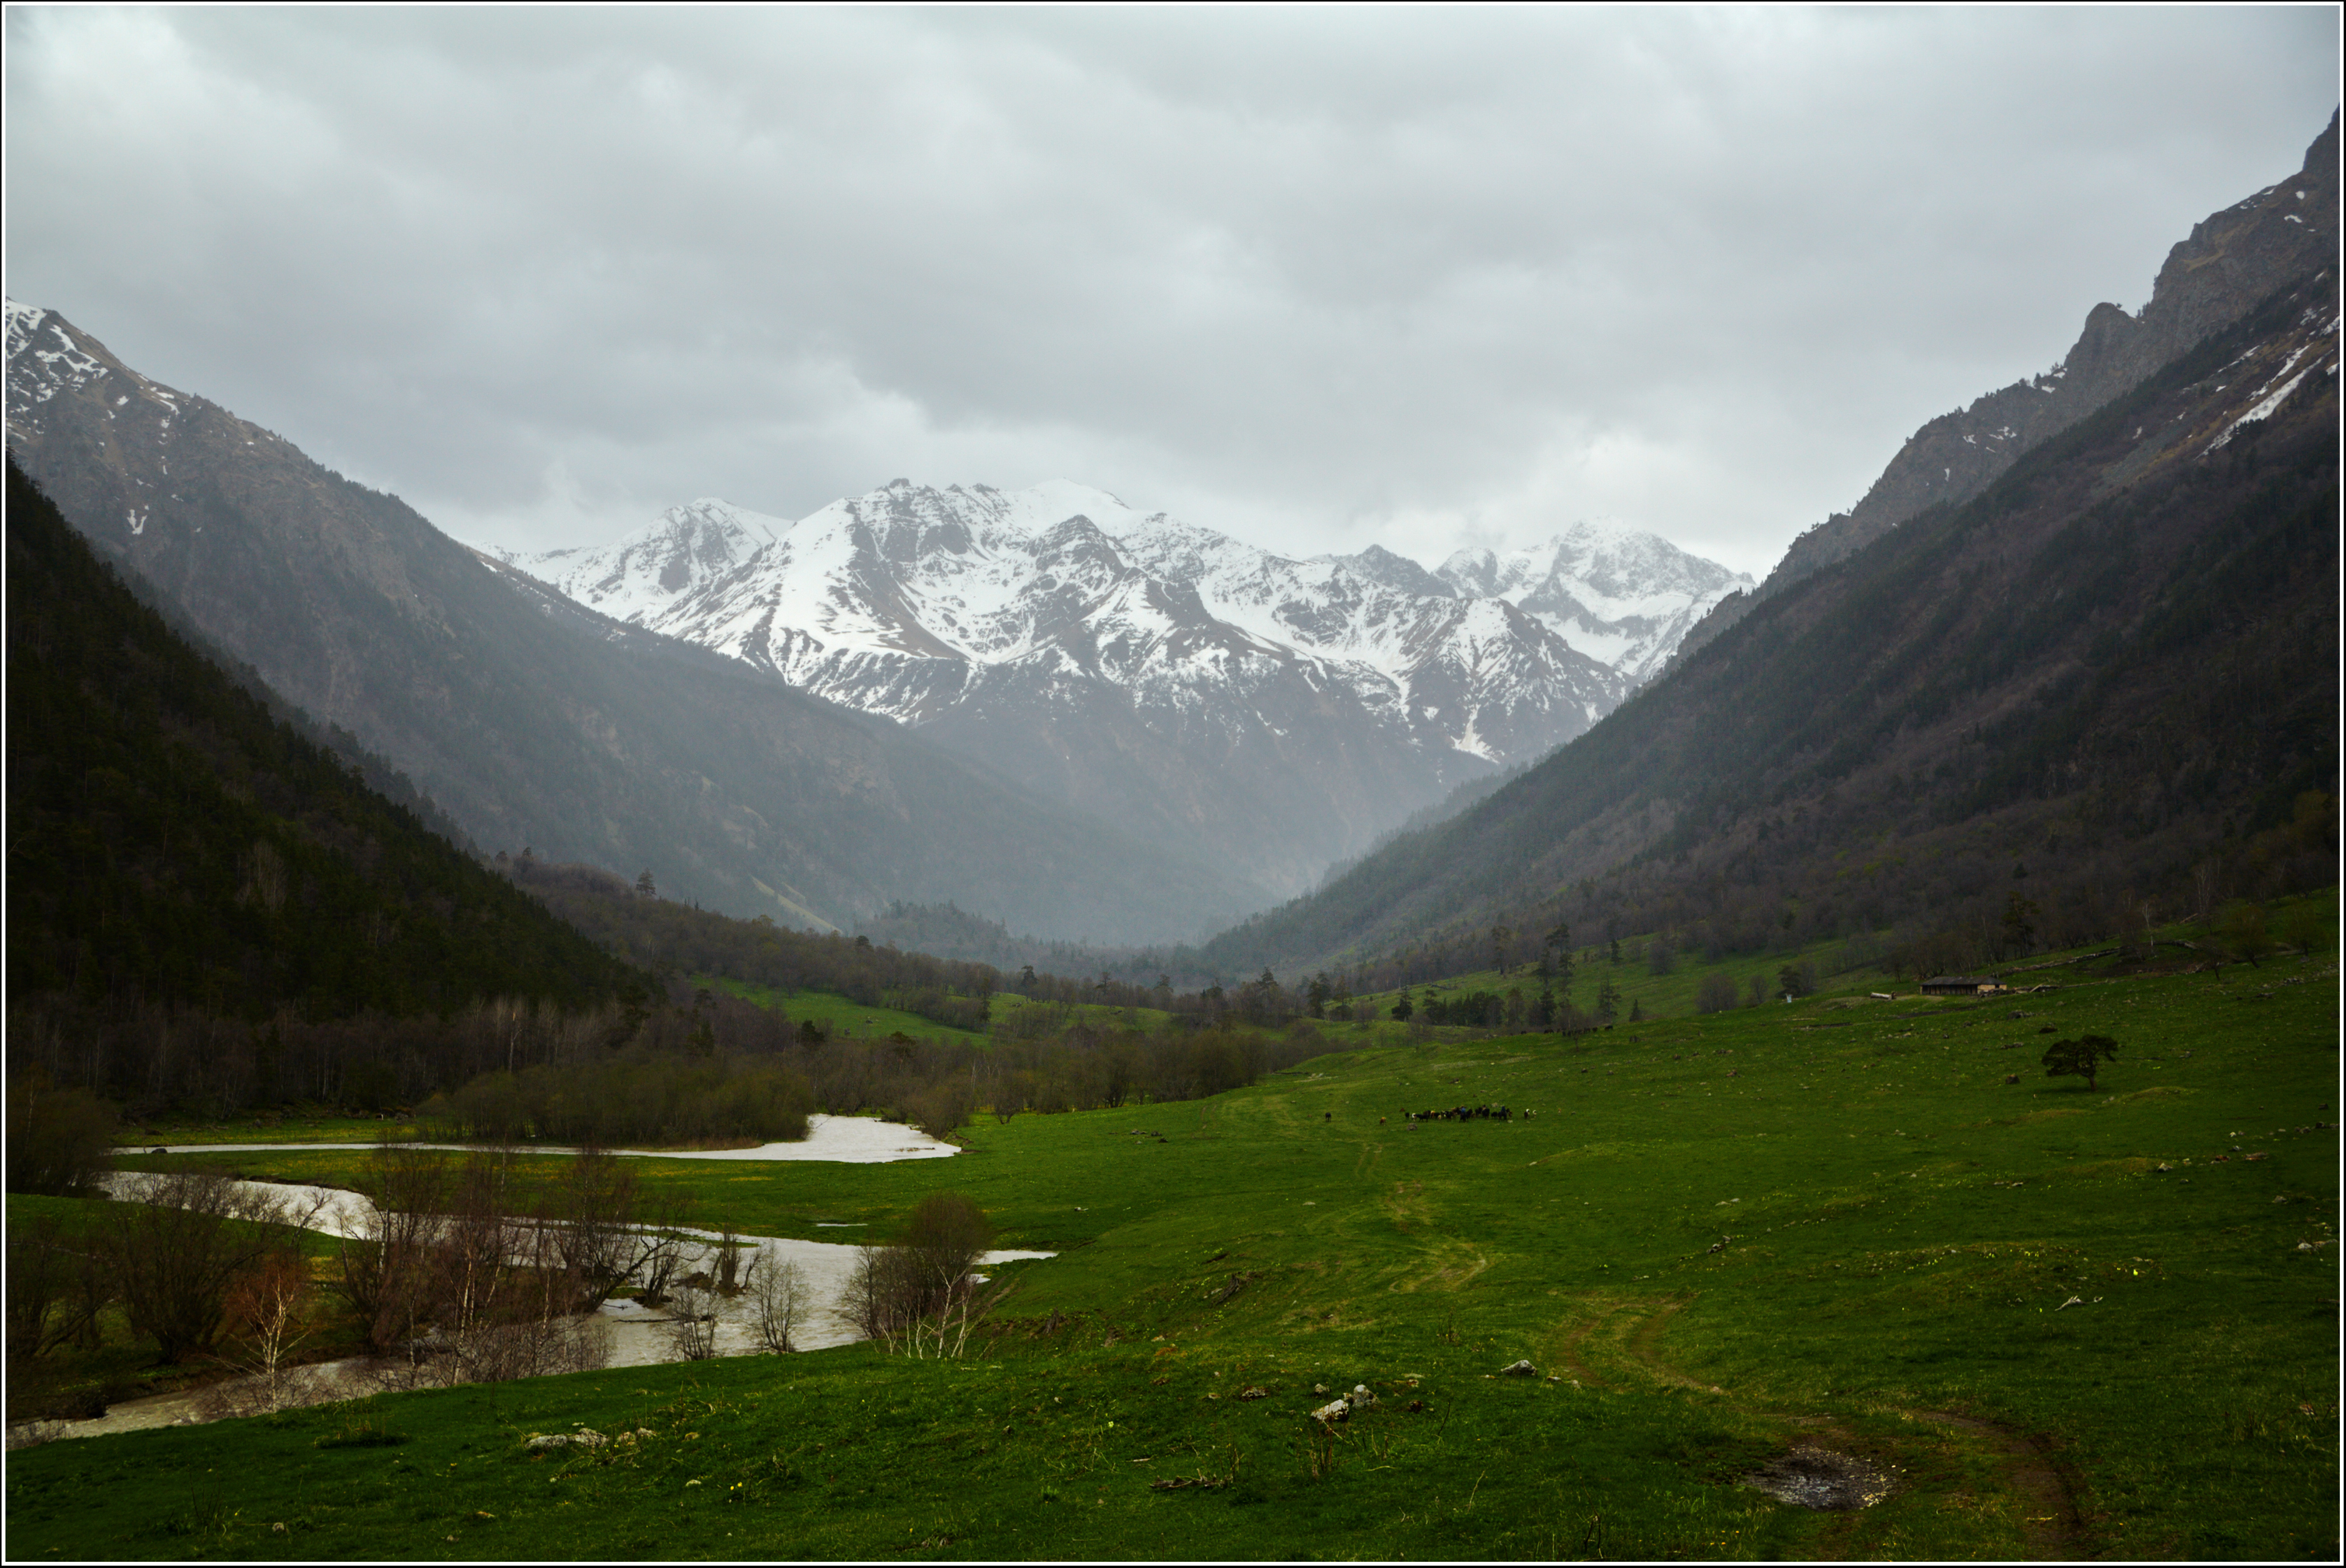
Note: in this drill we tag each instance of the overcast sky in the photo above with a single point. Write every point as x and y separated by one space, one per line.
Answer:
1319 277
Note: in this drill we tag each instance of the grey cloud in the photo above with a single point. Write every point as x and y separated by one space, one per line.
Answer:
1322 279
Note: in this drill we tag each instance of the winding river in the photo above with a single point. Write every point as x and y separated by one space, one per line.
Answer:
637 1336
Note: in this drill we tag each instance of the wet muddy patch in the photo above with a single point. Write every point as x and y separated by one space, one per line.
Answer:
1822 1480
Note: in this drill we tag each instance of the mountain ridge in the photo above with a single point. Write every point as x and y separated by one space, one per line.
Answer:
2110 677
1290 710
534 724
2231 261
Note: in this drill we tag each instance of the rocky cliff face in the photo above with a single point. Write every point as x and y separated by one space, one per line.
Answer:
1165 676
2230 262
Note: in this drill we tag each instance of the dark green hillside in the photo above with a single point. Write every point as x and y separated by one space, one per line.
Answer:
2111 678
171 842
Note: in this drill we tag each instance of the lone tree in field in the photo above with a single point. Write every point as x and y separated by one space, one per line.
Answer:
918 1295
945 1234
2081 1057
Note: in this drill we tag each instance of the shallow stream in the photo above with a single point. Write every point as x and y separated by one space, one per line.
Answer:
637 1336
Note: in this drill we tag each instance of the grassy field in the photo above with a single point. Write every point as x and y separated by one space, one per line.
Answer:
1672 995
1833 1223
324 1127
839 1014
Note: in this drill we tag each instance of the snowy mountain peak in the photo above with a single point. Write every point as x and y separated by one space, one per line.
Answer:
45 358
1380 565
680 551
1116 656
1622 594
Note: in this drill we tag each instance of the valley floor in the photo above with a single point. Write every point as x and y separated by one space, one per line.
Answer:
2047 1321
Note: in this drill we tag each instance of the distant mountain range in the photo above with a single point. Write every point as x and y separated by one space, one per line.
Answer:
1165 678
537 723
2083 631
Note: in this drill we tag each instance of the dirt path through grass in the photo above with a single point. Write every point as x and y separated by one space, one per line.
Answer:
1648 1334
2051 1524
1569 1350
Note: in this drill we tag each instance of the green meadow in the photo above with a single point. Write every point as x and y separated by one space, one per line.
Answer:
841 1015
296 1128
2063 1321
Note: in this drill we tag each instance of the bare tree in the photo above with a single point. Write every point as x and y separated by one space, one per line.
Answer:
59 1140
596 1239
478 1241
779 1300
389 1267
728 1261
509 1293
269 1302
57 1285
881 1295
539 1328
505 1294
946 1234
176 1252
692 1320
920 1296
657 1254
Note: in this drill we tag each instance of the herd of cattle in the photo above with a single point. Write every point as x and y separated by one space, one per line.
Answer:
1463 1114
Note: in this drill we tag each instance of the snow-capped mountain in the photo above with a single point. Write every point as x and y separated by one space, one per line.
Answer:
1616 593
1160 673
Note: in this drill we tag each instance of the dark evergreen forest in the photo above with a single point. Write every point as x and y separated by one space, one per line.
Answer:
173 844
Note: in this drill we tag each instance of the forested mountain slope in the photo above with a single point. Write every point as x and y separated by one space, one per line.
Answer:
2086 689
537 723
171 842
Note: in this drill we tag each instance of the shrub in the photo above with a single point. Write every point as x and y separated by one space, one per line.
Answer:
1716 993
176 1252
59 1140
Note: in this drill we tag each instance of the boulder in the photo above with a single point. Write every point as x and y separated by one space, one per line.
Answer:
1522 1368
539 1442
